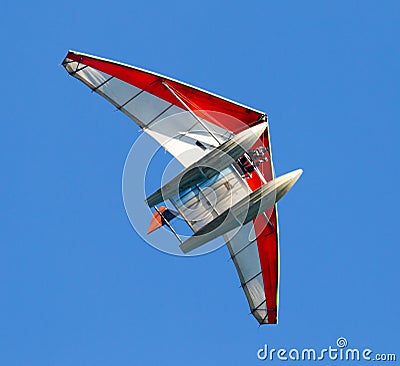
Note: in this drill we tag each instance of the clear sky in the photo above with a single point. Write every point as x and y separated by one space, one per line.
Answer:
77 284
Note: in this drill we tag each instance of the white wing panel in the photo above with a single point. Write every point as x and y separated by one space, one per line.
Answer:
245 257
242 245
255 294
146 107
88 75
118 91
179 133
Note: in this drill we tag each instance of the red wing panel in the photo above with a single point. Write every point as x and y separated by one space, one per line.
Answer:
268 251
268 242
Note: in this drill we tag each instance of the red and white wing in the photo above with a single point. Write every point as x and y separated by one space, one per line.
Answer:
143 96
255 253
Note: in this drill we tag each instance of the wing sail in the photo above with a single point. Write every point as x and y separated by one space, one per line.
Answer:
143 97
254 250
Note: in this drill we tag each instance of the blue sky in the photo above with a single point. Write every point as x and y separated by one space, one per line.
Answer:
79 287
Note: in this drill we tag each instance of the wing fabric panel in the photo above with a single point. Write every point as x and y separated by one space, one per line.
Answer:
268 243
243 248
268 247
265 236
198 100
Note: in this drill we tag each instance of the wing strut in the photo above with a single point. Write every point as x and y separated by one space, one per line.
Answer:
168 224
191 112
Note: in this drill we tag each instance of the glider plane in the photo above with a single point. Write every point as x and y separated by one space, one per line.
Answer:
224 147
